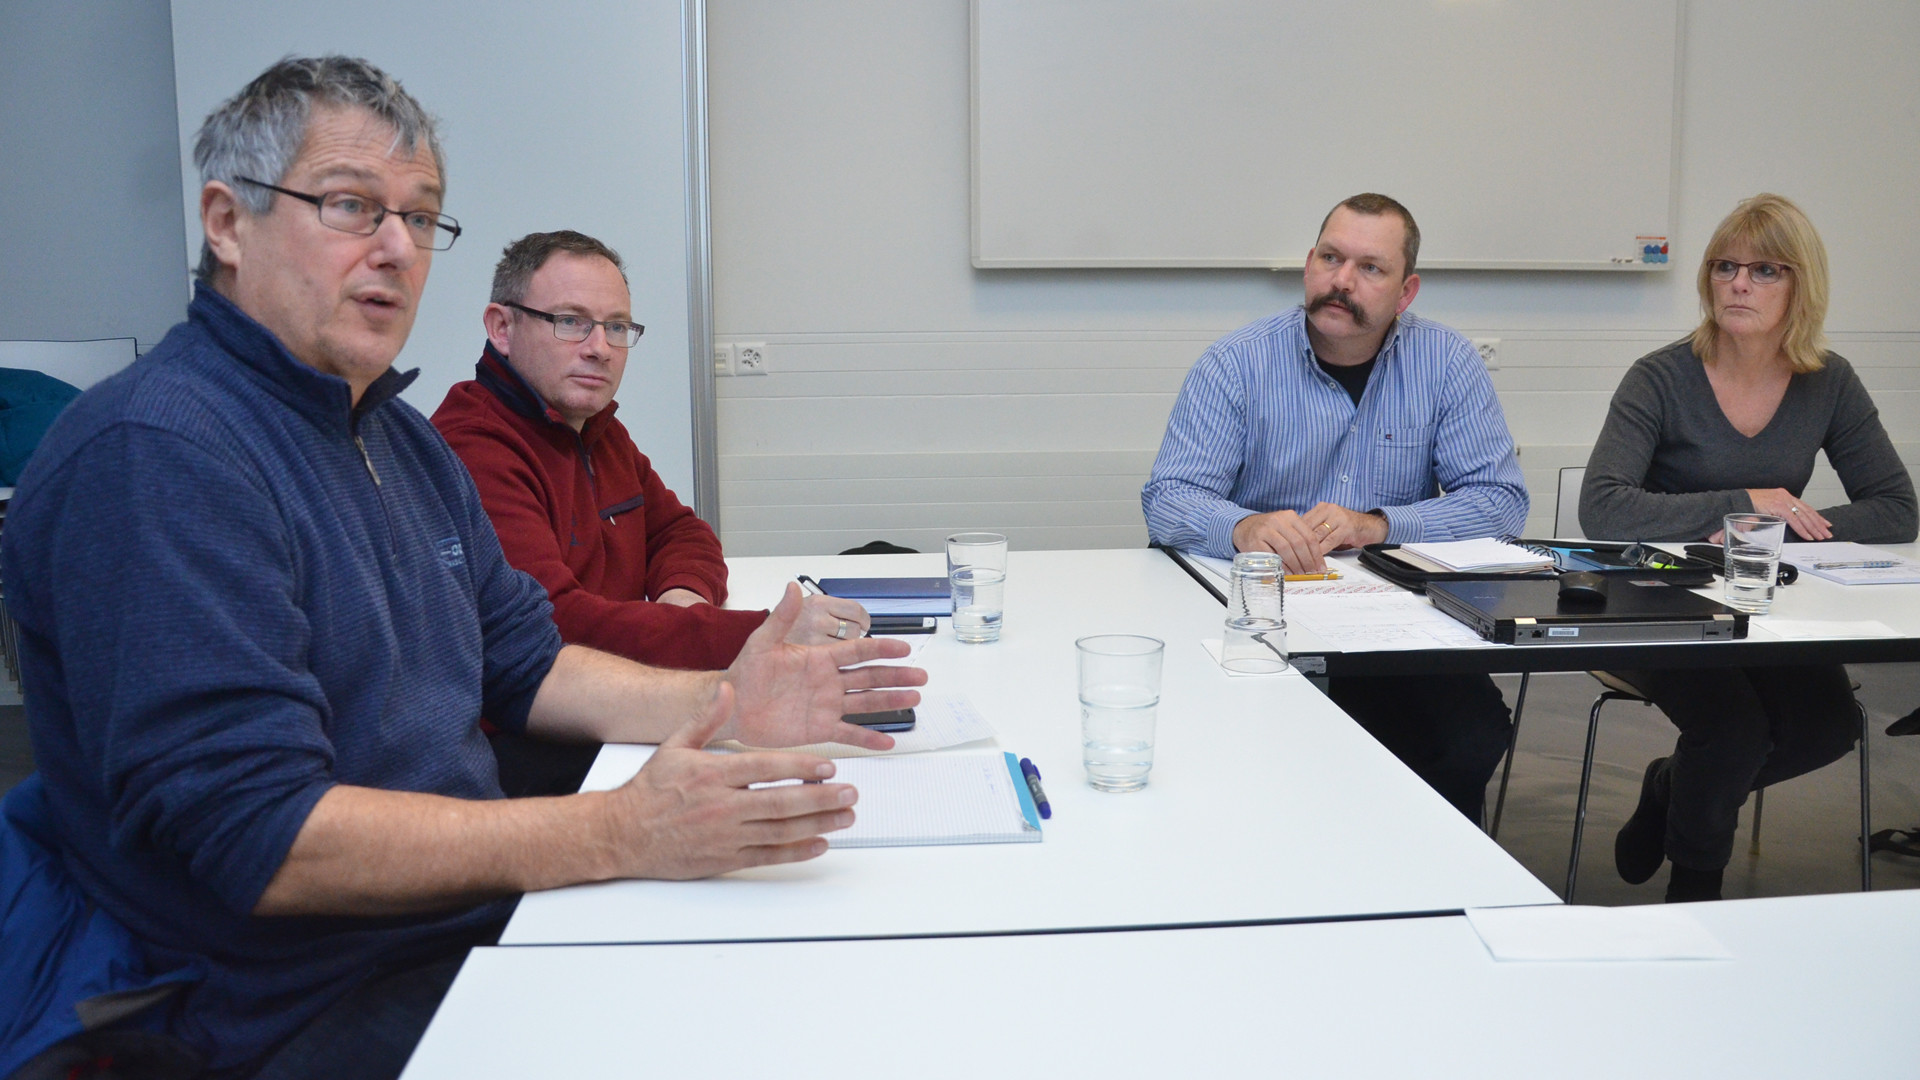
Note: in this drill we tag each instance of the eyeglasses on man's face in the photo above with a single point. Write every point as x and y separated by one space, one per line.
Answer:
357 214
620 333
1760 273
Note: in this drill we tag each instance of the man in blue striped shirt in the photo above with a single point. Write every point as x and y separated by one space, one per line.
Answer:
1345 422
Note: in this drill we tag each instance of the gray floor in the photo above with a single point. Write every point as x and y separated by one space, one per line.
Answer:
1808 840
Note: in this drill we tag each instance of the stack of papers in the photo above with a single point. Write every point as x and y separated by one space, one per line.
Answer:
1487 556
1851 564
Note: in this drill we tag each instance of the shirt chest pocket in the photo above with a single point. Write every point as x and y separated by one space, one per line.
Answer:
612 514
1403 463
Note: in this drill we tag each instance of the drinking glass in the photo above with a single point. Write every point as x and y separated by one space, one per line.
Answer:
979 598
1119 698
979 594
1752 548
976 549
1254 640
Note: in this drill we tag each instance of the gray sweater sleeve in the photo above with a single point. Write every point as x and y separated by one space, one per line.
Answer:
1880 506
1614 503
1667 466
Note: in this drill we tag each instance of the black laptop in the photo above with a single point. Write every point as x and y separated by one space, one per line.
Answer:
1532 612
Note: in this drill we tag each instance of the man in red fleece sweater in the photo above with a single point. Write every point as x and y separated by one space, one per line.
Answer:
630 569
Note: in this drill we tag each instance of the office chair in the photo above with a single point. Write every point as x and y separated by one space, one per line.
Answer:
1566 525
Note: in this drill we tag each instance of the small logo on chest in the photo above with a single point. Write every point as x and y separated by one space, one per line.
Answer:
451 554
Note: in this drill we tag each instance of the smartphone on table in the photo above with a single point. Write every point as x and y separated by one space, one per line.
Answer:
892 720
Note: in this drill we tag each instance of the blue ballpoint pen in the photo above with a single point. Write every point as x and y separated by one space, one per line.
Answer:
1032 773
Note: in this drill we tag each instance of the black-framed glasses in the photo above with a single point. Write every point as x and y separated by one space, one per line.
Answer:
1760 273
357 214
621 334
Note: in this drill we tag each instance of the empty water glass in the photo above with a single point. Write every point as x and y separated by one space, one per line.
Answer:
1254 640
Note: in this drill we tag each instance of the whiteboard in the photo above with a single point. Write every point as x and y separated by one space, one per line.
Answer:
562 114
1169 133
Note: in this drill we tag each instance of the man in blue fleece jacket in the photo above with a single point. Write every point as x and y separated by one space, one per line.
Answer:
262 612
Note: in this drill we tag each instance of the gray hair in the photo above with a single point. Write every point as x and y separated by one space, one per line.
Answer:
258 132
524 257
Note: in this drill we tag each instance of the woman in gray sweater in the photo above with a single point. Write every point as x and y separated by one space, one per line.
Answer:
1728 421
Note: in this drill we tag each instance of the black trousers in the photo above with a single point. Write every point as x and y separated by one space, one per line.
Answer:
1451 730
1742 729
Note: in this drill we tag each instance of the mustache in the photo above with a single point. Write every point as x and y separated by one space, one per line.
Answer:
1345 299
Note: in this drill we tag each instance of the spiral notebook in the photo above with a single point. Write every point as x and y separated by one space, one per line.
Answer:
929 799
907 801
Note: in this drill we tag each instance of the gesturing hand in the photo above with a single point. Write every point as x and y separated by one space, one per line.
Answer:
794 695
1801 517
691 814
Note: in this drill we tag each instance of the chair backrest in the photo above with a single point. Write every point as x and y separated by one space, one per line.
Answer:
1566 506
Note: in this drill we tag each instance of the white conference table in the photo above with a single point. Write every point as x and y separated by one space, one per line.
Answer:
1816 987
1818 620
1266 802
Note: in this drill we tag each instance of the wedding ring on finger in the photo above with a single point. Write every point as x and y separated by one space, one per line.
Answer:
1327 525
1793 509
841 630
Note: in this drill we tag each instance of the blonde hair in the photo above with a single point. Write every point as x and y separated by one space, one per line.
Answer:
1777 231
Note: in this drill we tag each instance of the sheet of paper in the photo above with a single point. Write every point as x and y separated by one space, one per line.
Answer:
915 643
1369 622
1823 629
1552 932
1213 646
944 799
1808 558
940 721
1353 577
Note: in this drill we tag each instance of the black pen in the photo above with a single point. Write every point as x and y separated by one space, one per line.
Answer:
806 581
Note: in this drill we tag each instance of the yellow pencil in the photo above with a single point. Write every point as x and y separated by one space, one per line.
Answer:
1331 575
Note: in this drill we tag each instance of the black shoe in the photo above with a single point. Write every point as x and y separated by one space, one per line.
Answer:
1688 885
1641 845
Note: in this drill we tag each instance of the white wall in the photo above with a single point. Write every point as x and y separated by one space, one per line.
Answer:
912 395
562 115
90 235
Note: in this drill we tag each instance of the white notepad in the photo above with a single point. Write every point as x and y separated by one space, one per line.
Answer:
1484 554
934 799
919 799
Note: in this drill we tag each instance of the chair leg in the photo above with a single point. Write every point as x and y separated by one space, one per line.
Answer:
1866 806
1586 782
1513 740
1759 804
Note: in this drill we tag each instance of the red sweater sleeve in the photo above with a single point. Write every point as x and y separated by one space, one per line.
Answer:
519 498
682 551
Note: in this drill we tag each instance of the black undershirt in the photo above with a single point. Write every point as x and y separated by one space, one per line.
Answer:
1353 378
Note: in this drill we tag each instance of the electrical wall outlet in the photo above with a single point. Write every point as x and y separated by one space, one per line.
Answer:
750 358
1489 348
722 360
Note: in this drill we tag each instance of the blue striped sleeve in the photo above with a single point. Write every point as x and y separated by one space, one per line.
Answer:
1185 500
